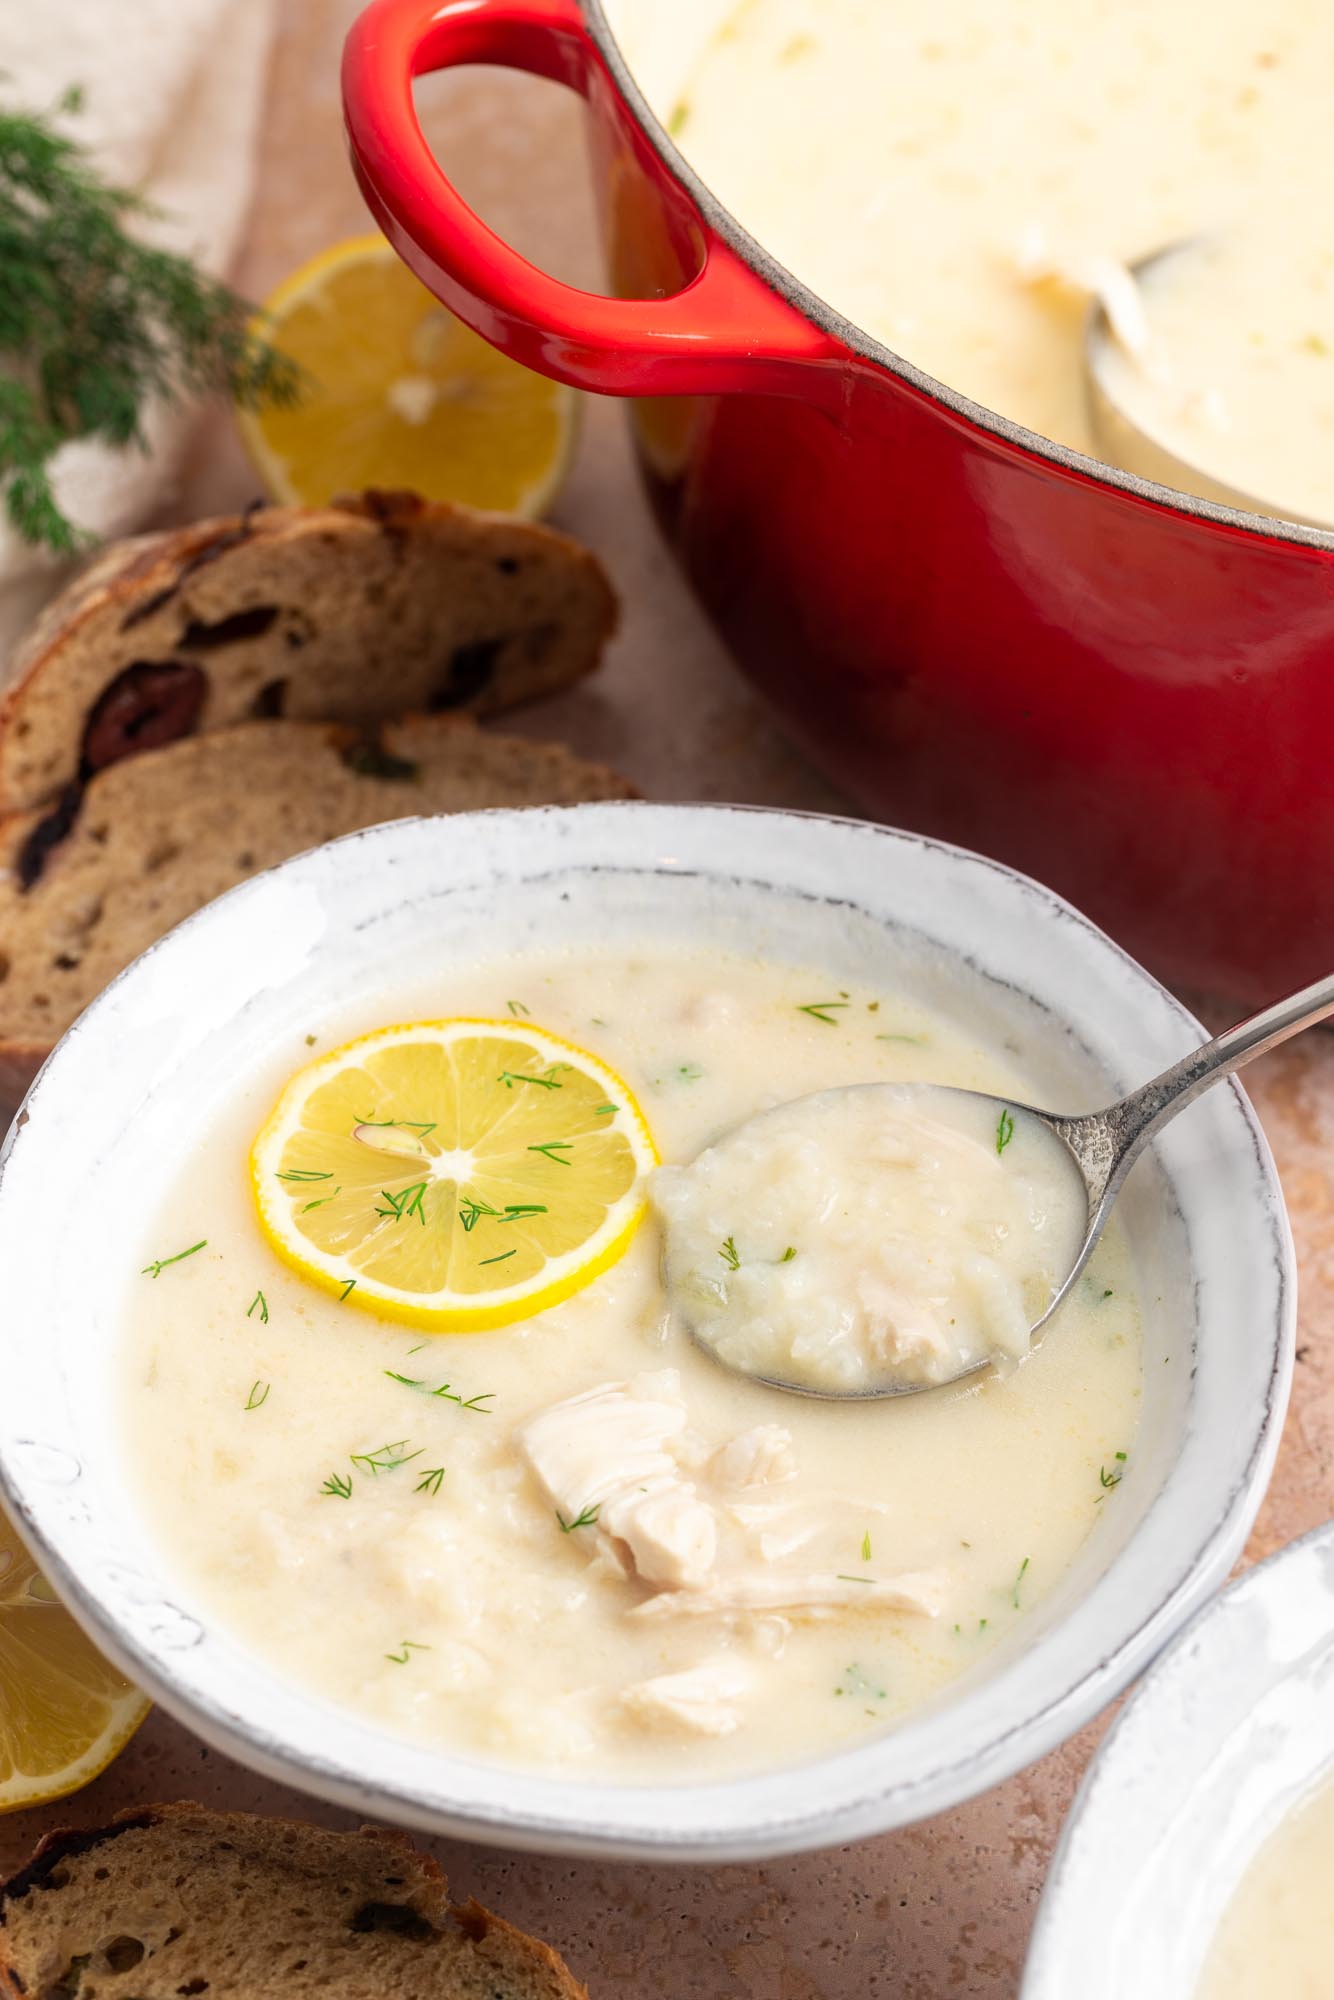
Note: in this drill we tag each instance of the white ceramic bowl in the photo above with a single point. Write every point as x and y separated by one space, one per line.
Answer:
86 1161
1233 1726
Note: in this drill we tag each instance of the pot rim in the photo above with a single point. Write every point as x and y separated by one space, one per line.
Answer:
812 307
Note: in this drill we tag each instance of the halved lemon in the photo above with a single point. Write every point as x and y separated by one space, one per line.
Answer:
64 1713
401 394
454 1174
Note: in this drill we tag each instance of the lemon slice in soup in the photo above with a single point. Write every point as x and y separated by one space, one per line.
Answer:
454 1174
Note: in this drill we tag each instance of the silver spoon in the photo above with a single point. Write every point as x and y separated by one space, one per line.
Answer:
1122 440
1103 1146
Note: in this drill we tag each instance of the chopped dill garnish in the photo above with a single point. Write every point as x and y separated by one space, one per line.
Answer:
337 1486
1004 1131
423 1125
788 1255
823 1010
311 1041
448 1394
856 1681
584 1519
430 1481
159 1264
400 1206
499 1259
553 1148
510 1077
303 1174
1018 1583
253 1400
385 1457
409 1646
517 1007
469 1211
263 1304
866 1546
1108 1293
418 1348
840 1578
728 1254
350 1286
318 1202
918 1041
688 1072
515 1211
1111 1476
600 1110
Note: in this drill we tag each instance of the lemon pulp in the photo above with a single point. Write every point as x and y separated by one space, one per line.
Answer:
64 1712
455 1174
399 393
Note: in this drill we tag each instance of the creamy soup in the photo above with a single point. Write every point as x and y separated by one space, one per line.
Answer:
1276 1941
957 178
577 1542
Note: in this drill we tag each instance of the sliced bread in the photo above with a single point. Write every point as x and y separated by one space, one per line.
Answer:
377 606
160 835
175 1900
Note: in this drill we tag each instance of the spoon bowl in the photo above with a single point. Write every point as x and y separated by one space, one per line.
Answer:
1100 1147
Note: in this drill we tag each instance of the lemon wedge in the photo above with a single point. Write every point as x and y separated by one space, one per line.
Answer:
64 1713
401 394
454 1174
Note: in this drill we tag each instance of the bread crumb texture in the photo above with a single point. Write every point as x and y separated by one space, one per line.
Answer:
170 1902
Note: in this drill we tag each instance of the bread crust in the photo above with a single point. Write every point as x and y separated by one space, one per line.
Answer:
420 1893
142 589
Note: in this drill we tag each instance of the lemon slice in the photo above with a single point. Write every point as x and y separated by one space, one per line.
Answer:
454 1174
401 394
64 1713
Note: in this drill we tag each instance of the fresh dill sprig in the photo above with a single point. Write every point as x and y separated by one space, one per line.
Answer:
318 1202
1018 1582
515 1211
510 1077
350 1286
159 1264
1004 1131
409 1646
259 1393
499 1259
303 1174
1111 1476
263 1304
841 1578
95 325
385 1457
430 1481
517 1007
600 1110
553 1148
338 1486
583 1519
470 1210
423 1125
729 1255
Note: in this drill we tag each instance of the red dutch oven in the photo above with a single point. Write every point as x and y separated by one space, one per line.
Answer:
980 634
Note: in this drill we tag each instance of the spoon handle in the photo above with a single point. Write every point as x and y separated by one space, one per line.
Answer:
1109 1142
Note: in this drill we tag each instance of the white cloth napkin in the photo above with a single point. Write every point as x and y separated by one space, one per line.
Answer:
173 92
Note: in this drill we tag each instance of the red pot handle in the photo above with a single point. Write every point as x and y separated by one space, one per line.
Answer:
726 330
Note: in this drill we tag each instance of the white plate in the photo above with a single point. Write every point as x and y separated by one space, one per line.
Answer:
1231 1729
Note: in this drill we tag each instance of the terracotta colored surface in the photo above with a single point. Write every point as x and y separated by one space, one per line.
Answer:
942 1911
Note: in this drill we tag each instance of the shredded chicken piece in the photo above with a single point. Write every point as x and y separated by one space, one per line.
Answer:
762 1456
706 1697
912 1590
606 1451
